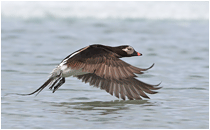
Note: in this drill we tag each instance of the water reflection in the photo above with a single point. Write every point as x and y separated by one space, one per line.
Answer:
105 107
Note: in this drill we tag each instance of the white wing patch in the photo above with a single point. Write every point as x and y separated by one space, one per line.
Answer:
74 54
65 71
64 61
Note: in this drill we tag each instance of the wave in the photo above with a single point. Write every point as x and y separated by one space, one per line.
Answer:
107 9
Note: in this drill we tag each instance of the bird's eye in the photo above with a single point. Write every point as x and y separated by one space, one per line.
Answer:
129 49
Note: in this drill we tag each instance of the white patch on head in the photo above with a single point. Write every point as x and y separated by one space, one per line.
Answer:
129 50
126 49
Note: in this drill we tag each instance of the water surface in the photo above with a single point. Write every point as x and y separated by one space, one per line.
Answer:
32 45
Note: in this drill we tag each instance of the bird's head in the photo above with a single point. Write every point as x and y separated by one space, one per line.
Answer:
127 51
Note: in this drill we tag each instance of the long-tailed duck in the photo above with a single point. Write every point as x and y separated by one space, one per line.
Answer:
101 67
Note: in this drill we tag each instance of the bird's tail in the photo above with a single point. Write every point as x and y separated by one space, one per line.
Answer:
55 80
40 88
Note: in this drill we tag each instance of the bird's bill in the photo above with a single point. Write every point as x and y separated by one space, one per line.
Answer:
139 54
136 54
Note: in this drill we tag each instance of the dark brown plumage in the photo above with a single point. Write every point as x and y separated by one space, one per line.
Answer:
100 66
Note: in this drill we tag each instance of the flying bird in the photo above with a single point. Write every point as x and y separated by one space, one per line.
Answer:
102 67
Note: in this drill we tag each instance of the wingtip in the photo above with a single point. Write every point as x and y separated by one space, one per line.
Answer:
156 88
158 84
149 67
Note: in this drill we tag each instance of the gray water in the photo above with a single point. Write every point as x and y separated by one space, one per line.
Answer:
31 48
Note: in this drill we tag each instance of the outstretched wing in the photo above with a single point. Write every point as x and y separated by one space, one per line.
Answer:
130 87
110 73
103 63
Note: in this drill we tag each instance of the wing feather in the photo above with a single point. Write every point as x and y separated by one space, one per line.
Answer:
111 90
116 90
128 92
106 71
122 91
127 87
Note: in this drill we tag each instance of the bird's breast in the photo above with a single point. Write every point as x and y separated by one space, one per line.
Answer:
68 71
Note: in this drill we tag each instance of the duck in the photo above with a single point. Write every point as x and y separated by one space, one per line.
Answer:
101 66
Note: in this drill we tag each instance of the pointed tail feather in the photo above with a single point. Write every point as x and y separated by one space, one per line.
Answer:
40 88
